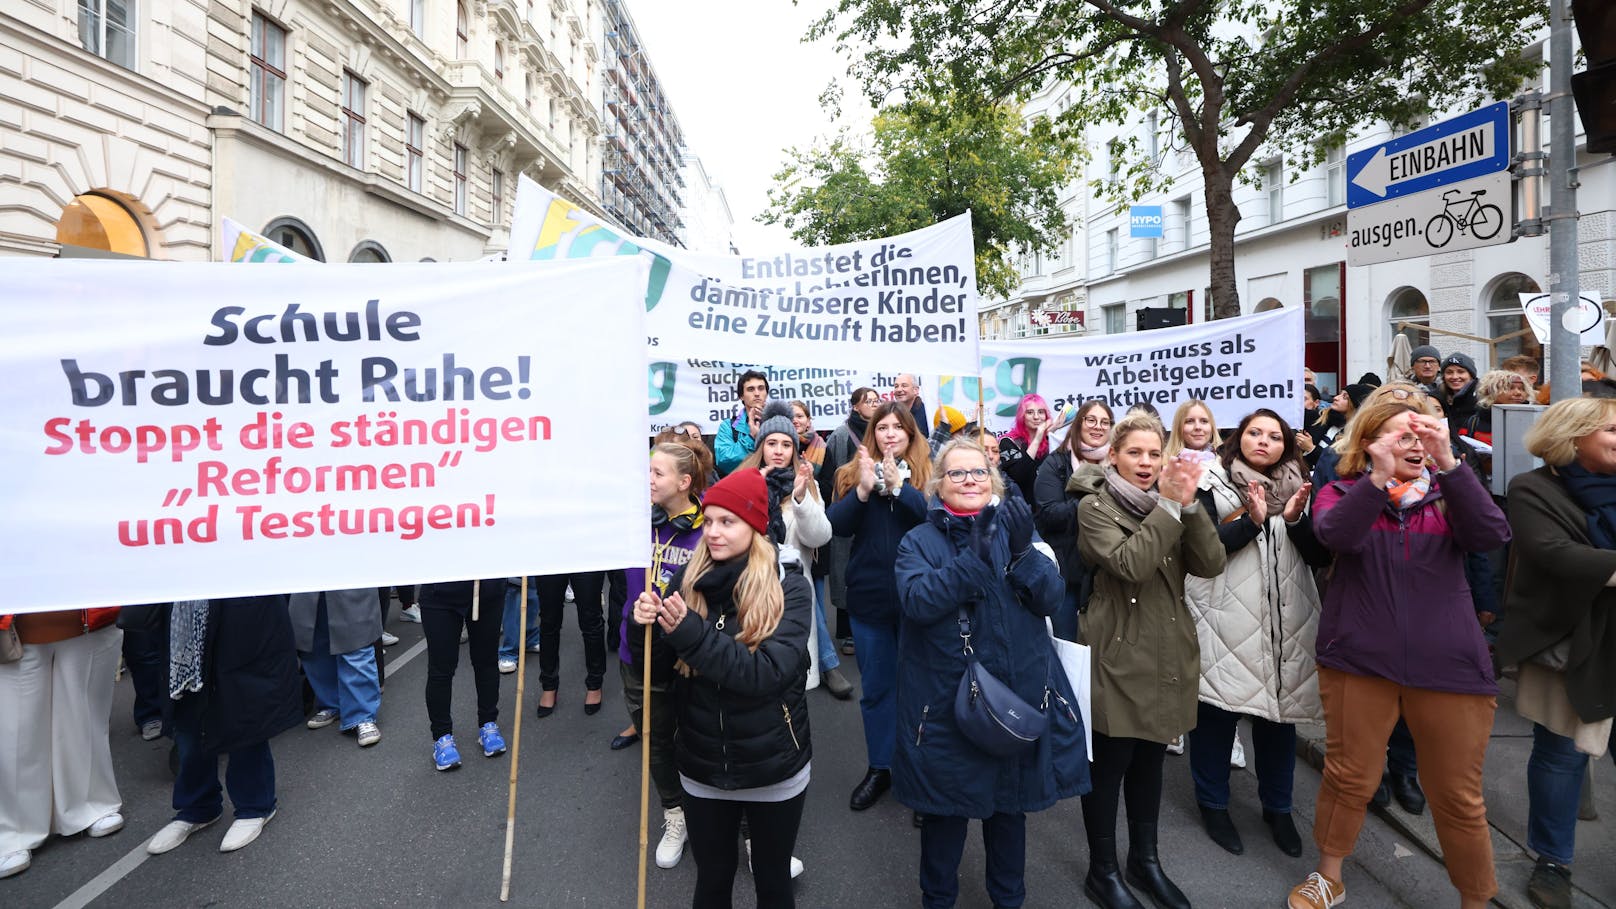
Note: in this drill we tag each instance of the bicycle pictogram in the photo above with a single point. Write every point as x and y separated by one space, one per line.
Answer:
1472 216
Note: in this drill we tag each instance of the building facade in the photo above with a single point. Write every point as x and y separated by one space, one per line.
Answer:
642 180
708 225
349 130
1291 250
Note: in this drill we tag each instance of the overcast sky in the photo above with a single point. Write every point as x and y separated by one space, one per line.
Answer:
745 88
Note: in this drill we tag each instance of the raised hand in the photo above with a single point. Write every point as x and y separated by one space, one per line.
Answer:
1256 503
672 612
805 478
1298 503
1017 517
866 482
646 608
982 532
1383 454
1433 436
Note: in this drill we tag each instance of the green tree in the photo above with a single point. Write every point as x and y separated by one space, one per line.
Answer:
1236 76
927 160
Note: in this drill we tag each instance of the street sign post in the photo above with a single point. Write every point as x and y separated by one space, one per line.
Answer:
1465 215
1463 148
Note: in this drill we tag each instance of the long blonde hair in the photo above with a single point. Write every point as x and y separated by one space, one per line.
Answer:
759 599
1175 440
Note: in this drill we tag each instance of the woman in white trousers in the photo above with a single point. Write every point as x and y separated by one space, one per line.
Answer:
55 760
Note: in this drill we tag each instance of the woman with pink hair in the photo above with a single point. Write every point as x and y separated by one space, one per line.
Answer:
1022 449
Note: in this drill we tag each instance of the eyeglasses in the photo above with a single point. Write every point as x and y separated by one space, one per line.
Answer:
1403 394
1407 441
958 474
1096 421
1423 360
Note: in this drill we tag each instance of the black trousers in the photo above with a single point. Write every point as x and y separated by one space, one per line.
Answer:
616 596
713 825
587 590
1131 768
445 609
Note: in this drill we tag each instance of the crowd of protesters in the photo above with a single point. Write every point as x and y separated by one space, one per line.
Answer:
1345 565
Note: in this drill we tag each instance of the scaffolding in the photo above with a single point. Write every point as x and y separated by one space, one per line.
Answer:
641 179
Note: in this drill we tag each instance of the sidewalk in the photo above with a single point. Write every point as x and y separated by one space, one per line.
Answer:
1594 877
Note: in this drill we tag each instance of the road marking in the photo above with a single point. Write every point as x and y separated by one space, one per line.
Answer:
137 856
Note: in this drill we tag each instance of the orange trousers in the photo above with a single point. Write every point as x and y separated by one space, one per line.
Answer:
1450 736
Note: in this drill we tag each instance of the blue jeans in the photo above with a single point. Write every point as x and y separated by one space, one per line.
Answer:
828 657
1065 620
1553 787
146 655
942 843
876 649
349 683
513 617
249 775
1273 748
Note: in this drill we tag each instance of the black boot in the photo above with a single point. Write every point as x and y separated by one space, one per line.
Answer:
870 789
1221 829
1145 870
1408 792
1283 827
1104 883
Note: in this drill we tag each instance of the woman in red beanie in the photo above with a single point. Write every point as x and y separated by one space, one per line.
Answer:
740 630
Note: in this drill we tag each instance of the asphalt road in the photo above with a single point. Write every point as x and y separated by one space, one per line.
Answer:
381 827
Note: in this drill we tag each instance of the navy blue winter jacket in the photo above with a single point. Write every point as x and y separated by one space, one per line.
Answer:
876 526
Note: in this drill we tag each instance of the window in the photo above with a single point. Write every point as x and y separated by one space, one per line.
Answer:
1152 136
267 90
1409 305
462 43
107 29
1273 186
353 120
496 182
459 179
1116 318
295 236
1335 175
1504 316
418 17
94 221
527 94
414 156
1111 250
369 251
499 61
552 115
1182 213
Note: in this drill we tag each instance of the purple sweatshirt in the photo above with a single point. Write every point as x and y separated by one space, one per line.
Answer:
675 550
1398 606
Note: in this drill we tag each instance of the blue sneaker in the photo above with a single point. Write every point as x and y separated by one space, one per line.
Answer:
493 743
444 753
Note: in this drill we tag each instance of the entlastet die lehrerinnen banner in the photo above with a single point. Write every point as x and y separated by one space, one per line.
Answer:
175 431
908 300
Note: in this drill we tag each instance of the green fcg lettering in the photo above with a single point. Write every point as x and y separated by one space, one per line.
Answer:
663 376
1015 378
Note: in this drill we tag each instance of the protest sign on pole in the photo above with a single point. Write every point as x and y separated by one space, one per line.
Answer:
242 245
703 391
1235 365
909 301
187 431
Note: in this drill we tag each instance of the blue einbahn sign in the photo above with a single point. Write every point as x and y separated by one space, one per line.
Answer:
1468 146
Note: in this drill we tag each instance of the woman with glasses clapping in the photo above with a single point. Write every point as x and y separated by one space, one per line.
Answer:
1083 449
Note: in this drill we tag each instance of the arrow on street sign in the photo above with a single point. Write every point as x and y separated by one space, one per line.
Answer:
1465 147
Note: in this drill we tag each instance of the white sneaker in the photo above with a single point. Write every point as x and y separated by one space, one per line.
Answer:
507 665
410 614
672 847
568 597
171 836
15 862
1237 754
323 718
369 734
1176 746
243 831
796 863
389 639
151 730
107 825
464 635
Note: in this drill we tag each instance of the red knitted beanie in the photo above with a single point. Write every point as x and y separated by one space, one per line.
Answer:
744 493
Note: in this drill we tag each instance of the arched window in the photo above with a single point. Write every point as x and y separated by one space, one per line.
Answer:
95 221
1267 304
499 61
295 236
462 42
1504 317
369 251
1409 305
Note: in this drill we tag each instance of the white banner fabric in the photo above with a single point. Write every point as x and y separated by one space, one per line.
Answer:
910 300
1234 365
703 391
176 431
242 245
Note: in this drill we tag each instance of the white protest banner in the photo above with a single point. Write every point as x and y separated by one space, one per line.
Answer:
1586 319
910 298
1235 365
242 245
170 431
703 391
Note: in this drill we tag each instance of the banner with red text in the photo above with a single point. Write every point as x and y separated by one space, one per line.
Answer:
906 302
177 431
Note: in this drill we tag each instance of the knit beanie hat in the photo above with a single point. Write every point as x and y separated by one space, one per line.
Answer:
1423 351
744 493
777 419
1461 360
950 417
1370 379
1357 391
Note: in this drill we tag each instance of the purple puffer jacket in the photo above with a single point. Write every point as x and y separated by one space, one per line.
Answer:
676 547
1398 606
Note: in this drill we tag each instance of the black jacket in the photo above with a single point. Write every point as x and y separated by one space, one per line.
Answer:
1056 520
743 715
251 691
1017 463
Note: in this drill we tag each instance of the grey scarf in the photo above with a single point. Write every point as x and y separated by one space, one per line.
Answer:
1137 502
187 636
1278 485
